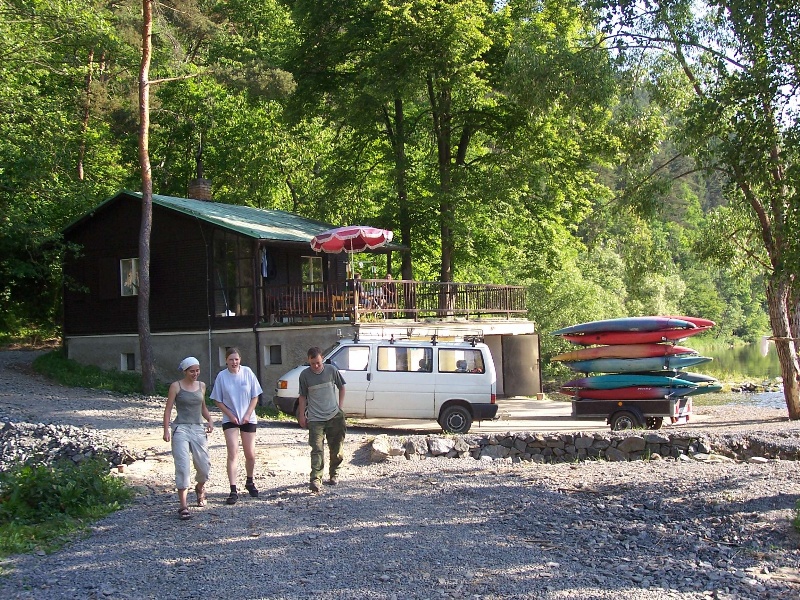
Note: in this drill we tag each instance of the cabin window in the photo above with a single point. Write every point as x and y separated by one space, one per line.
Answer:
272 355
233 275
312 273
129 276
127 361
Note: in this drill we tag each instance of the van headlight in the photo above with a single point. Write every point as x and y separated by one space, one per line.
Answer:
283 384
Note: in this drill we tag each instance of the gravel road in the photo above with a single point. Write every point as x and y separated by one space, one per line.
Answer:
436 528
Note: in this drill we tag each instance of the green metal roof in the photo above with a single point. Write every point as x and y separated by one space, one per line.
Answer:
256 223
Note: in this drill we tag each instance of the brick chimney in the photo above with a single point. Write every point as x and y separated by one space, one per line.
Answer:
200 188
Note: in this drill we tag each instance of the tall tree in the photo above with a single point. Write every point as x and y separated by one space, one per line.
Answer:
146 227
58 152
436 91
741 61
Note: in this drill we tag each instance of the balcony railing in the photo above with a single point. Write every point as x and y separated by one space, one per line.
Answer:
365 300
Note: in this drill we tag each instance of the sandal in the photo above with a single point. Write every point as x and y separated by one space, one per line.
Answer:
183 514
200 490
232 498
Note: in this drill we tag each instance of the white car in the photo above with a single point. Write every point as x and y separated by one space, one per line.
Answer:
452 382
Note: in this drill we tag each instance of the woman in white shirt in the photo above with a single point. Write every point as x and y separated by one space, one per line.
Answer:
236 391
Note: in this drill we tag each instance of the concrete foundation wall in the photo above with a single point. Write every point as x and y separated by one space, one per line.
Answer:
258 349
108 352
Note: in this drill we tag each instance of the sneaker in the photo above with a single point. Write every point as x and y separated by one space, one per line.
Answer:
232 498
334 479
251 487
314 486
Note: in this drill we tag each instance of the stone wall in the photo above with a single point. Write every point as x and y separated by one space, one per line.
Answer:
574 447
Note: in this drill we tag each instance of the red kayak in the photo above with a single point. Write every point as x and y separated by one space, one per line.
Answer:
696 320
625 351
627 393
633 337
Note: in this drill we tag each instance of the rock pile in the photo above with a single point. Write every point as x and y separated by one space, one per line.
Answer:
749 387
561 448
45 444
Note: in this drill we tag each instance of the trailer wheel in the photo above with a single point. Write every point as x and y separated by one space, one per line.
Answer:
624 419
654 422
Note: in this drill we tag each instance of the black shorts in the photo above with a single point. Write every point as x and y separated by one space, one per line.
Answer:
244 427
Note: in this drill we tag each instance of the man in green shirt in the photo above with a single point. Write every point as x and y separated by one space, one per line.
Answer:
321 411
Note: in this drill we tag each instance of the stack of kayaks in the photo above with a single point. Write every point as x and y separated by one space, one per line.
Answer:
639 359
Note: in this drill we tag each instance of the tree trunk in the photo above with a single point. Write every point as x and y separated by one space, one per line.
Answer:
781 305
143 314
87 104
401 183
442 130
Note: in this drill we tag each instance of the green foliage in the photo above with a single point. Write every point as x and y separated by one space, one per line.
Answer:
67 372
588 289
438 122
273 414
57 151
506 138
30 335
40 505
796 519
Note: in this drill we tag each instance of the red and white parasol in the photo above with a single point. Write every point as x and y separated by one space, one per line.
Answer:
354 238
351 239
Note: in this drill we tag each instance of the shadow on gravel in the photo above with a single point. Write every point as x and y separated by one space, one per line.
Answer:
446 532
92 410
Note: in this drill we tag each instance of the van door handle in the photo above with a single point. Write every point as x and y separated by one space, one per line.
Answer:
369 376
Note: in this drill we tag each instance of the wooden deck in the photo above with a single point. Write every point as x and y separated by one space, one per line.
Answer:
380 300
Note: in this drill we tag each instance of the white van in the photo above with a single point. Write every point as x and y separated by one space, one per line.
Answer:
452 382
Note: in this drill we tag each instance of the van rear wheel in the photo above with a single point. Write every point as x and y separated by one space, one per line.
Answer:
455 419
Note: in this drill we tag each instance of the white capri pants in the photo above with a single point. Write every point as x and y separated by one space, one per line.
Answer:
190 440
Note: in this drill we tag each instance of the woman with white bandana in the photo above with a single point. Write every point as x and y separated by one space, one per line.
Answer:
188 433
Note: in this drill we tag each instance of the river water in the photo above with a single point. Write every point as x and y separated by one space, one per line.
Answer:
746 361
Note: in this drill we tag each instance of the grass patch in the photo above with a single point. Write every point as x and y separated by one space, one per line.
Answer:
796 520
271 413
55 365
43 506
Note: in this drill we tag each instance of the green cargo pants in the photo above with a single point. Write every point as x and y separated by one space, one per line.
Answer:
334 430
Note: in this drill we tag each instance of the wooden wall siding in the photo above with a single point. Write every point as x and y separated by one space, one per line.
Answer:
181 272
177 271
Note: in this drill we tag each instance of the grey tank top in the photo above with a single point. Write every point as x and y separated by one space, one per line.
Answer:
189 406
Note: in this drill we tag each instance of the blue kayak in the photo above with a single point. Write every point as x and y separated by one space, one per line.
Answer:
635 365
685 375
627 324
610 382
708 388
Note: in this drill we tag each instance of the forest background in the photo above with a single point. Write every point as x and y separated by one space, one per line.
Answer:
592 152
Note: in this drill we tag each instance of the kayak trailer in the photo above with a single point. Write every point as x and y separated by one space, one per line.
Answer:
634 414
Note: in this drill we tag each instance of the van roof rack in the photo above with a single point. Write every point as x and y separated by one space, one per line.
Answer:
432 334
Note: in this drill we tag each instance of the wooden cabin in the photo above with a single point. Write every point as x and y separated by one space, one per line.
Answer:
225 275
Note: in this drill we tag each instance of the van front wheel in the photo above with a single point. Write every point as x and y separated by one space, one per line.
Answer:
455 419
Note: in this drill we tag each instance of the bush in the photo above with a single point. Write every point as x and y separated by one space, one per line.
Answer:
41 504
796 520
